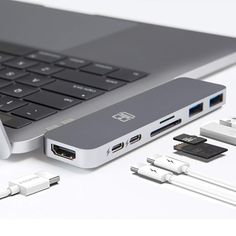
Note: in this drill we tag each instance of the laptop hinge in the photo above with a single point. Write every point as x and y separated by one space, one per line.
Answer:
5 145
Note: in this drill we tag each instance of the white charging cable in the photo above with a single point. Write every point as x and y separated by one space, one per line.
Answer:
181 167
163 176
30 184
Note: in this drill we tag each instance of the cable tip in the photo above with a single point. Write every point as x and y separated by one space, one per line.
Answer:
150 160
53 179
134 169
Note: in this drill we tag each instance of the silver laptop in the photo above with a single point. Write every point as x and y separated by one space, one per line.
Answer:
57 66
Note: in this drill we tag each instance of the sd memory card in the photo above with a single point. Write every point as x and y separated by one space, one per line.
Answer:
203 150
190 139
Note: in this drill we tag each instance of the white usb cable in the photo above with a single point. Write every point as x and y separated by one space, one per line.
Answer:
163 176
181 167
30 184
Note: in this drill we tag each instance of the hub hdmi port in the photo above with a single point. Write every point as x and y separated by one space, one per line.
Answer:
63 152
166 127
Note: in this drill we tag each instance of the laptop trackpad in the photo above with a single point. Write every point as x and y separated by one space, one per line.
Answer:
51 29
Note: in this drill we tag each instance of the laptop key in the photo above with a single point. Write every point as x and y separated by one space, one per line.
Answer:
73 63
18 90
35 80
127 75
20 63
89 80
4 83
34 112
4 57
53 100
1 67
14 121
47 57
99 69
15 49
8 104
11 74
45 69
74 90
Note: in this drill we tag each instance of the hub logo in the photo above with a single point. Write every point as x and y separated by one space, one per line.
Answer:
123 116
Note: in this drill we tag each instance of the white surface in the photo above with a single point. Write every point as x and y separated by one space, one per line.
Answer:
112 191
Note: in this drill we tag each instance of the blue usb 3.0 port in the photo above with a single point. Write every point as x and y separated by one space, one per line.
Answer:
196 109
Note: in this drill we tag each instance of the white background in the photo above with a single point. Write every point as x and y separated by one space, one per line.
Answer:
112 191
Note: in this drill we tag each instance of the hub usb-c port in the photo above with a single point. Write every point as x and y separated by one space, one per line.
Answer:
216 100
135 139
196 109
63 152
117 147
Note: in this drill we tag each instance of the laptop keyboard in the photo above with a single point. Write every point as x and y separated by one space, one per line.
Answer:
35 84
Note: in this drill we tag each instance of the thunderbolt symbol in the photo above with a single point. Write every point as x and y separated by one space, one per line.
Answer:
170 161
153 170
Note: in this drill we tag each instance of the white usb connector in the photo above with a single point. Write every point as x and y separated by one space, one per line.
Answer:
30 184
165 176
152 172
223 130
168 163
230 122
180 167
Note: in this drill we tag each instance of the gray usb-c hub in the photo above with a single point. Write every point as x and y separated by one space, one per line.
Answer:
107 134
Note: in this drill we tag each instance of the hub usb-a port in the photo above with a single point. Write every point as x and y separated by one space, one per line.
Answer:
216 100
196 109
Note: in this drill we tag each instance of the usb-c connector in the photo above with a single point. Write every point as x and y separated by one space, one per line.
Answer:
180 167
165 176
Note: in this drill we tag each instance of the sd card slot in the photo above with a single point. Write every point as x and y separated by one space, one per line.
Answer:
166 127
